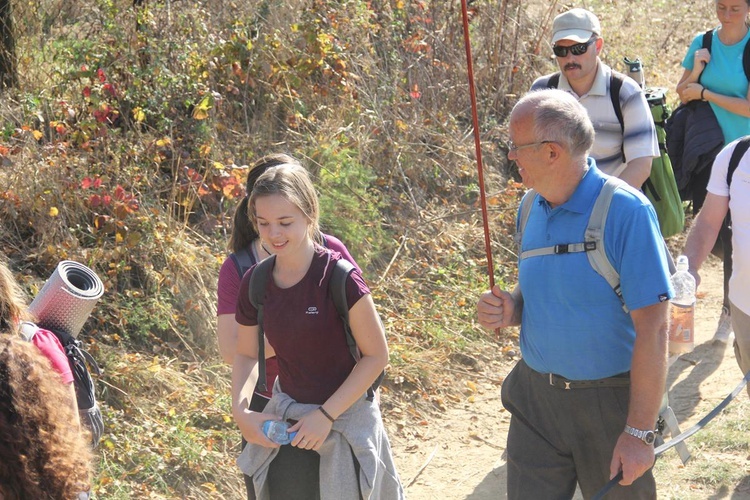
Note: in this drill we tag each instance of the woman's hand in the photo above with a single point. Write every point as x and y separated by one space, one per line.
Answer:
251 426
692 92
700 59
312 430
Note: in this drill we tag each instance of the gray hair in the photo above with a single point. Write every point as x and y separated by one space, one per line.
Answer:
559 117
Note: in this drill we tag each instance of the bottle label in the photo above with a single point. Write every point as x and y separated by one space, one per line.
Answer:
681 322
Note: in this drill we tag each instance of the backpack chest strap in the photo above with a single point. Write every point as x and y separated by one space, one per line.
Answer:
563 248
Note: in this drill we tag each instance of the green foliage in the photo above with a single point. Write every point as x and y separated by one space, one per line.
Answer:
349 206
147 317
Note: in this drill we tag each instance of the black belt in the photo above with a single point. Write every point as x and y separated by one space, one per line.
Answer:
620 380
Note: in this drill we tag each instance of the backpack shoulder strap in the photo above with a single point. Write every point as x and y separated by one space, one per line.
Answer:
523 217
554 81
243 260
341 272
337 288
615 84
595 233
707 41
739 151
257 292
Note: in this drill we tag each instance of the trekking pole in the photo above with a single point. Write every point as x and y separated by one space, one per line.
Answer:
477 143
682 436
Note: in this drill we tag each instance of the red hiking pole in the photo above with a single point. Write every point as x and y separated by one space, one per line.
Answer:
477 143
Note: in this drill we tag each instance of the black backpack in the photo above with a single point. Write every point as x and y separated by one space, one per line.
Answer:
739 151
337 290
79 361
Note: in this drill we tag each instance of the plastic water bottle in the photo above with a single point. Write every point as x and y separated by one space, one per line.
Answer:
635 71
682 309
276 431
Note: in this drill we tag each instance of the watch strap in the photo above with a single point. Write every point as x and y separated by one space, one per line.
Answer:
647 436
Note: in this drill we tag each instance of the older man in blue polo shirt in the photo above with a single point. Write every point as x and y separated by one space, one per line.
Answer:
625 151
585 397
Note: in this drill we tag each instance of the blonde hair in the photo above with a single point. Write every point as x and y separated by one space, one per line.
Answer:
13 308
243 232
292 182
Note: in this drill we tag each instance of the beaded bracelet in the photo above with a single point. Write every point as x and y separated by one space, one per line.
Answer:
327 415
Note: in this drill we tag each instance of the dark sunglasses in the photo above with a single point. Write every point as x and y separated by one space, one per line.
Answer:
577 50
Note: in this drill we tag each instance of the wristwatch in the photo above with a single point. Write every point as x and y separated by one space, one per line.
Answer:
647 437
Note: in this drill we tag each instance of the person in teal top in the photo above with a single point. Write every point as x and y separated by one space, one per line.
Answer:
718 77
722 80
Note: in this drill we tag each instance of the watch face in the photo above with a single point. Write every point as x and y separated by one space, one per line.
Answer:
649 437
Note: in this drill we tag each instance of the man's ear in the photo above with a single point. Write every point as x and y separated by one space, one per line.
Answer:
555 151
599 43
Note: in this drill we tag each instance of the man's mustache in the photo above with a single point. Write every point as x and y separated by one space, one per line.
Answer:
572 66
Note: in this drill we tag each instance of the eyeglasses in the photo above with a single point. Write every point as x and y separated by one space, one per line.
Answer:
512 148
577 50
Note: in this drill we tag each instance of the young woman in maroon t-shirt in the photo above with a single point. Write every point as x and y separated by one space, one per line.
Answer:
245 238
303 330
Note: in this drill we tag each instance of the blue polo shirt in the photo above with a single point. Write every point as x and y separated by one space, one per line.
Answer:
573 324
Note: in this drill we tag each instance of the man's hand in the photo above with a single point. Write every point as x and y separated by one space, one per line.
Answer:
633 457
496 309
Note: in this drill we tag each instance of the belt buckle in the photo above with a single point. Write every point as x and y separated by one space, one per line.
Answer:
552 382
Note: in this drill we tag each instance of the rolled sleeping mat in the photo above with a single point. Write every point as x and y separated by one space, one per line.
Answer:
67 298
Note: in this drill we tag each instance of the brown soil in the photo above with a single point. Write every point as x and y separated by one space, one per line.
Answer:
459 454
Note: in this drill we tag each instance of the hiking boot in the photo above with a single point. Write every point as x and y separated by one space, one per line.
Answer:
724 331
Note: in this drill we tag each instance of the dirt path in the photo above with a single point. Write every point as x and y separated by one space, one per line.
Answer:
458 455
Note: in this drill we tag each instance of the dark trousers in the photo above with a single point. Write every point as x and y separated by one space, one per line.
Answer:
559 437
294 474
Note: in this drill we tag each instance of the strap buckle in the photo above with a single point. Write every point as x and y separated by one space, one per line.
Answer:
561 248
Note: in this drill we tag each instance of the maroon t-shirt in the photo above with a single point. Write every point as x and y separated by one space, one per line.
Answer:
305 330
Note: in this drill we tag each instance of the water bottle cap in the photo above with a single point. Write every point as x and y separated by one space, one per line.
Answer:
682 262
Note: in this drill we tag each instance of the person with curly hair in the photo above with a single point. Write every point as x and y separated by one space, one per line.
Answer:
42 456
14 314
